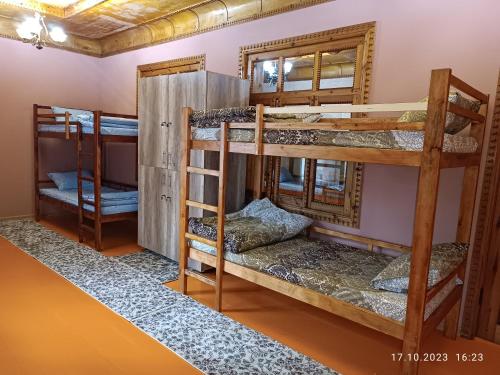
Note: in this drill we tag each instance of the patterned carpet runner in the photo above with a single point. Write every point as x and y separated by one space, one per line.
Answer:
208 340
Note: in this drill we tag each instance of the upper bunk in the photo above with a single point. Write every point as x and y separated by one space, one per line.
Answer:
66 123
450 123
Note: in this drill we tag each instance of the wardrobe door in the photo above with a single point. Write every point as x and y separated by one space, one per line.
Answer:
185 90
153 121
153 208
172 225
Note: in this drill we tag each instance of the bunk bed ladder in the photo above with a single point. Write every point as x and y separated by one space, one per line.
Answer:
96 181
219 210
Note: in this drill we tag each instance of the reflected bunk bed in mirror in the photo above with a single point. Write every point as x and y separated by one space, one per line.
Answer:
423 141
85 192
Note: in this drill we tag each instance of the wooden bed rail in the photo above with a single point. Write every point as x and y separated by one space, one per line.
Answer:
349 108
370 242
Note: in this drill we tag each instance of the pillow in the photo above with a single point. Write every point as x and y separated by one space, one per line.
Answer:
454 122
74 113
69 180
260 223
445 257
285 175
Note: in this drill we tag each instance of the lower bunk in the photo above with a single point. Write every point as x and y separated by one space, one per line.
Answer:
115 205
368 287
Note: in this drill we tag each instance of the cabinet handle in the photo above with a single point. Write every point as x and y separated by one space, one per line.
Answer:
165 198
164 123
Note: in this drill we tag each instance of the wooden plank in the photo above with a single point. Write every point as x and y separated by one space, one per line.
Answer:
346 310
259 132
97 180
203 206
221 211
349 108
373 125
362 155
457 160
464 112
185 161
428 185
204 240
203 171
199 276
467 89
242 125
444 308
441 284
365 240
36 158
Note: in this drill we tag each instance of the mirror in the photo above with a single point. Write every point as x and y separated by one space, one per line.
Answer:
337 69
298 73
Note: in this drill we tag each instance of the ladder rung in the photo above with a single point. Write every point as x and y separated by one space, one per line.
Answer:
201 277
204 240
87 228
210 172
85 178
204 206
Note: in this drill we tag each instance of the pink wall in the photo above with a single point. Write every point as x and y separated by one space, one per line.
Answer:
29 76
411 39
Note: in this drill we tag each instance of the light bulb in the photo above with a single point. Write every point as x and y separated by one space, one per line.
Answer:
57 34
287 67
269 67
30 27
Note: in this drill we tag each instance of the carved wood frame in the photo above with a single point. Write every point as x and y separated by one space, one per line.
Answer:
362 38
181 65
481 275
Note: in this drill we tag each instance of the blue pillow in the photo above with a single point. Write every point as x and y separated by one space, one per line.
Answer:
75 113
285 175
69 180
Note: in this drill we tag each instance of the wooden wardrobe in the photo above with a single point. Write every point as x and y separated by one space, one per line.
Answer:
161 100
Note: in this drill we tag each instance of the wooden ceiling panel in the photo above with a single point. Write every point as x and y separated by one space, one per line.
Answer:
114 26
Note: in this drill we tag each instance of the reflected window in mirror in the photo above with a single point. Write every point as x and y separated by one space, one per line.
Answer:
330 67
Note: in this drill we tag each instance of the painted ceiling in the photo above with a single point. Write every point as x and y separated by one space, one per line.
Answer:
106 27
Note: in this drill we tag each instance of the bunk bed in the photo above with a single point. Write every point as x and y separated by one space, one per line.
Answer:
95 199
425 303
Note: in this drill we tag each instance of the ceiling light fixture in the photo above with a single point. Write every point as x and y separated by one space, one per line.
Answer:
34 30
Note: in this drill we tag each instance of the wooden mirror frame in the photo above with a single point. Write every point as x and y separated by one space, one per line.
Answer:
361 37
182 65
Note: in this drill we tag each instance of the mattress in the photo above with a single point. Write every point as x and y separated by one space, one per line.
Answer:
394 139
331 268
105 130
71 196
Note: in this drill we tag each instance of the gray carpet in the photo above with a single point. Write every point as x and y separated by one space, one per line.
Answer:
152 264
208 340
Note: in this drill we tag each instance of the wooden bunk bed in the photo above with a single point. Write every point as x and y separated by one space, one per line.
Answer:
430 160
47 124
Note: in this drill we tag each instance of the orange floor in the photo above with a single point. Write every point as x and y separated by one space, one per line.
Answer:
105 342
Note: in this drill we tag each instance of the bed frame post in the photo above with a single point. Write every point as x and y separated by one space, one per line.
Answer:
428 185
184 194
466 215
258 165
221 210
79 146
97 180
35 162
